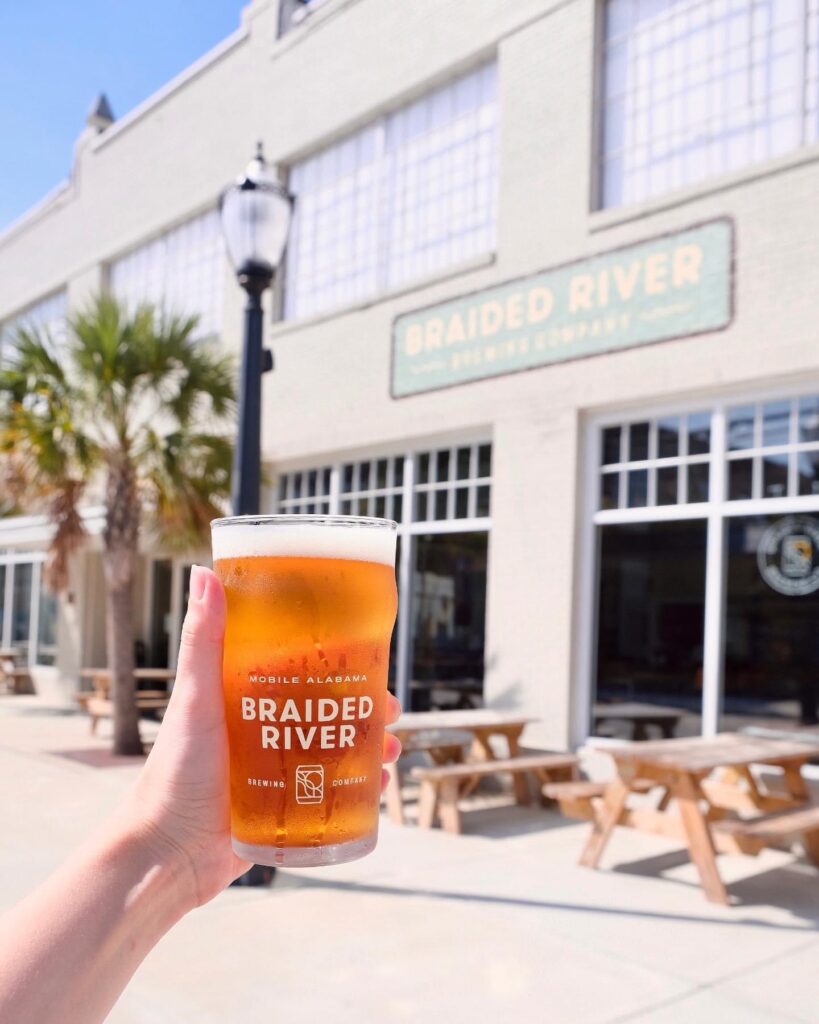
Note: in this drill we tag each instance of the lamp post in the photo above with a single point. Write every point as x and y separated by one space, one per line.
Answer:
255 214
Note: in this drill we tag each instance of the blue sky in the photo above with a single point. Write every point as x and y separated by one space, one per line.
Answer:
55 56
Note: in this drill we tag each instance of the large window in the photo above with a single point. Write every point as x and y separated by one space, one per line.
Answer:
408 195
47 315
694 88
707 541
28 610
182 271
440 499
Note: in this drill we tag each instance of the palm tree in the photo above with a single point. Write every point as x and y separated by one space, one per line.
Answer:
132 408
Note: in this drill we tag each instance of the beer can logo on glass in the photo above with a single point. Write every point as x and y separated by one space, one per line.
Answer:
311 604
309 783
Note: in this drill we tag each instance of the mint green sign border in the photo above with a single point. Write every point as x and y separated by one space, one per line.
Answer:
710 308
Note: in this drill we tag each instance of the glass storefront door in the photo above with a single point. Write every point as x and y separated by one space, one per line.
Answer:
771 669
650 629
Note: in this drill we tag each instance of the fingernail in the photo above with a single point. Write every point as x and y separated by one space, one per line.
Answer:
199 581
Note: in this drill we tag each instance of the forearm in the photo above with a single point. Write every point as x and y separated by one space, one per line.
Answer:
68 951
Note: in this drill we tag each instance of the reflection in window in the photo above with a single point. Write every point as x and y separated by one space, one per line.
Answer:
650 629
47 627
448 620
21 605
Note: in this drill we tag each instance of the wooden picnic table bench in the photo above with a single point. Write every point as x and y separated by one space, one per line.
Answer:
441 746
482 724
14 678
440 785
707 807
98 703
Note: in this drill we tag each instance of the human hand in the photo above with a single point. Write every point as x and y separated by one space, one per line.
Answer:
181 804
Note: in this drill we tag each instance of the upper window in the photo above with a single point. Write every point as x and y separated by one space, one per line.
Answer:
694 88
182 272
443 484
407 195
48 315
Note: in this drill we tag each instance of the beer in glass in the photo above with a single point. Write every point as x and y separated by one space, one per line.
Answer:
311 603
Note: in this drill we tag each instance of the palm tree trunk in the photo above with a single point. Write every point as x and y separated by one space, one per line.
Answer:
120 635
121 537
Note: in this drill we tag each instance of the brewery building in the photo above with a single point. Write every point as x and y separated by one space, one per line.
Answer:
549 300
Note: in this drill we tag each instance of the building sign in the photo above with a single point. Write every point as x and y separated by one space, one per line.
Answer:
669 287
788 555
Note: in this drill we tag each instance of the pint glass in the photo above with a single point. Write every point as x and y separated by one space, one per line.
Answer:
311 603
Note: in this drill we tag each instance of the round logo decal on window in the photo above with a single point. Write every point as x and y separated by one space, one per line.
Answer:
788 555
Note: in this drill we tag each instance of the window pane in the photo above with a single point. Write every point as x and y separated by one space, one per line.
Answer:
420 507
668 442
21 604
347 477
776 423
698 482
809 419
379 508
464 456
807 468
442 467
741 428
638 442
448 617
381 473
699 433
775 476
462 503
485 460
637 488
397 508
47 315
311 483
423 468
440 504
2 600
740 479
47 627
609 490
650 633
667 485
611 445
364 476
771 613
483 501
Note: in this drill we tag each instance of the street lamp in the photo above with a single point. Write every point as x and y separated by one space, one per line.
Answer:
255 215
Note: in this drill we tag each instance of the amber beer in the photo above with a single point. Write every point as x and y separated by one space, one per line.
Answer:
311 603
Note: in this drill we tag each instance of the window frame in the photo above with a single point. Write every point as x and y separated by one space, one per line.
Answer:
384 226
408 527
717 511
36 559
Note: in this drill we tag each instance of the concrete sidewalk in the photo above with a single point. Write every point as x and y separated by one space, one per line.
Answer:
495 925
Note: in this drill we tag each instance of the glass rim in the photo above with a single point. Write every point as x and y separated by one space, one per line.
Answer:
294 519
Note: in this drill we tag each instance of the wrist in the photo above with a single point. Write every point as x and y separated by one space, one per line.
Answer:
158 873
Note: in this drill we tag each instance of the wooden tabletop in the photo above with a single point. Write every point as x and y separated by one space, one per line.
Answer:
634 711
705 753
474 718
139 673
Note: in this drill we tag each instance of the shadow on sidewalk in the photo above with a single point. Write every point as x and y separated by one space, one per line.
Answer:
796 907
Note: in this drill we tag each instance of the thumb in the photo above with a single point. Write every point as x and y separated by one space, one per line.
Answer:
197 692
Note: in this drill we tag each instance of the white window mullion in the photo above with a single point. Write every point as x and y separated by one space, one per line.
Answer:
715 568
405 565
7 609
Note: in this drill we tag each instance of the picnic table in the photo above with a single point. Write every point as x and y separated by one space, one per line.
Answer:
13 677
98 702
443 735
706 804
639 716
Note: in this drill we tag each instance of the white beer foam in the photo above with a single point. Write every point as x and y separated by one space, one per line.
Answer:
301 540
